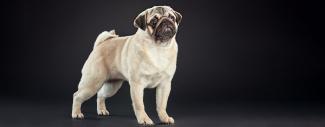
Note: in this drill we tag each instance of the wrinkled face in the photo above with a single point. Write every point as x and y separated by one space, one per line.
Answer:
161 22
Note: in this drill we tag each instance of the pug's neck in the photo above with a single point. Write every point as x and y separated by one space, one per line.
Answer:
146 39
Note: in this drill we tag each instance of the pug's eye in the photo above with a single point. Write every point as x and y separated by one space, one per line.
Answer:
171 17
154 21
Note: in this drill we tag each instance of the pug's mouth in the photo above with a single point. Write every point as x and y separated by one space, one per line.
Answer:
164 31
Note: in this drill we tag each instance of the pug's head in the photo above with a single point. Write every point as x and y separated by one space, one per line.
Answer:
160 22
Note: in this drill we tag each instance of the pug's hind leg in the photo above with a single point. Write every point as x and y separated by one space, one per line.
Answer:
108 89
88 87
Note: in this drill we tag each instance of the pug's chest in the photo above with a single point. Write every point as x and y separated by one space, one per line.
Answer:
153 80
156 69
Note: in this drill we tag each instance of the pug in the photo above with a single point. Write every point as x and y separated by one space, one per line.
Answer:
146 59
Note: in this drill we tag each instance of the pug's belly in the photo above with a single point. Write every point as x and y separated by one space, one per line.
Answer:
116 75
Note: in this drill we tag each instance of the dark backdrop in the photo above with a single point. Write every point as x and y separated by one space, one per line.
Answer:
229 50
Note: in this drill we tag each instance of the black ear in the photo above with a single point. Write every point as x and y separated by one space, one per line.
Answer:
140 21
178 17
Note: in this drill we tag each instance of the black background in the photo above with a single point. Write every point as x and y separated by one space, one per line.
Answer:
231 50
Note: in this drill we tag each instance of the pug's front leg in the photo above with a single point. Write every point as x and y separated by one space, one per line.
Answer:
136 92
162 94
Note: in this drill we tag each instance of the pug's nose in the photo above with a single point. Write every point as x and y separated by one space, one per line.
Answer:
168 31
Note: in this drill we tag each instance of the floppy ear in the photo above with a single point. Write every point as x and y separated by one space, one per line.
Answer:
140 21
178 17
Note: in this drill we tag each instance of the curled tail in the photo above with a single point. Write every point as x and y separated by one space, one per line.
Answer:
104 36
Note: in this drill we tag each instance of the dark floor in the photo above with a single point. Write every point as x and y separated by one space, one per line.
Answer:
34 114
